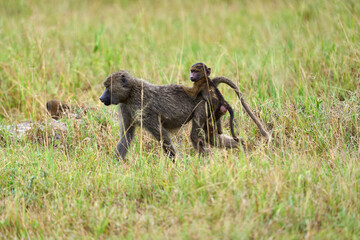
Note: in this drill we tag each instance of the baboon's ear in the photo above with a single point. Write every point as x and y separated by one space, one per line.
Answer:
124 81
208 71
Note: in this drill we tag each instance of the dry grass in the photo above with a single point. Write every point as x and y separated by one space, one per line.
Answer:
298 64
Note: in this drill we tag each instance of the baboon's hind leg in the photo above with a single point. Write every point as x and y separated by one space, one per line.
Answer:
162 135
198 130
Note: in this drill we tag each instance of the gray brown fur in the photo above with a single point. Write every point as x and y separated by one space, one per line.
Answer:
159 109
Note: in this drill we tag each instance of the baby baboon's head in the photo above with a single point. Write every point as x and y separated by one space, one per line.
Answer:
56 109
118 86
199 71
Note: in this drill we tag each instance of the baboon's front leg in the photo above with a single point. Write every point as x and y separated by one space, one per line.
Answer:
127 129
124 143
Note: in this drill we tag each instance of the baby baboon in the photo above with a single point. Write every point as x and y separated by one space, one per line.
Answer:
57 109
159 109
199 74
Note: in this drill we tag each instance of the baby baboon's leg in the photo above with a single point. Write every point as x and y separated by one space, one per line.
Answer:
230 110
219 126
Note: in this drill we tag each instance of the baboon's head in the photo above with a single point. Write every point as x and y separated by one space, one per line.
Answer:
56 109
199 71
118 86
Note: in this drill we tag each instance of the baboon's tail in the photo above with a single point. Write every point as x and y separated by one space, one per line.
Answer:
218 80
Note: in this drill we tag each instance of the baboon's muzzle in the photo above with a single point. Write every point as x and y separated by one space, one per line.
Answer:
105 98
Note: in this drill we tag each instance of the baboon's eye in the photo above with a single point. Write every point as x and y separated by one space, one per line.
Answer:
122 76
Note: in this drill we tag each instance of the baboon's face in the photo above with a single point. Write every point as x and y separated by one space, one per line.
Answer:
117 88
199 71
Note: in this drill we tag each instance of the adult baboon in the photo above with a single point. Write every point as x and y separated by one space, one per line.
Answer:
159 109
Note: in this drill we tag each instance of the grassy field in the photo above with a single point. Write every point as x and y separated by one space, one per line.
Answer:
297 63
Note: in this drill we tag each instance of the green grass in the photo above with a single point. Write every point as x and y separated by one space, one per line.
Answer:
297 63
